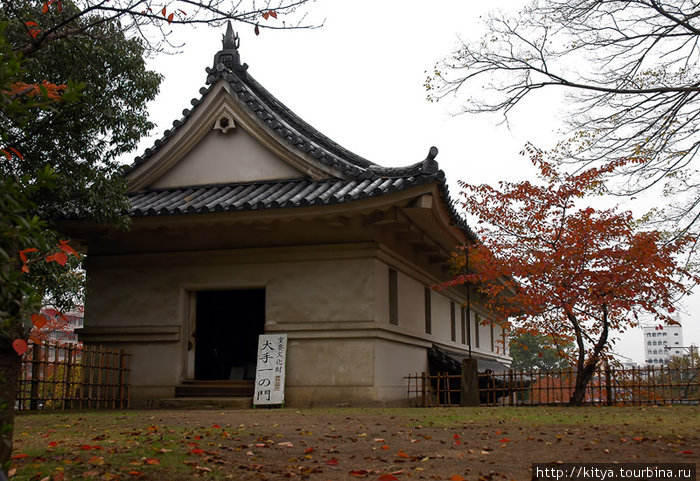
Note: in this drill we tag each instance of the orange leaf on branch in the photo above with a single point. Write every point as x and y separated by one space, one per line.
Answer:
20 346
545 261
65 247
59 257
38 320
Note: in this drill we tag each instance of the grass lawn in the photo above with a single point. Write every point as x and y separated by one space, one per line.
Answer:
350 443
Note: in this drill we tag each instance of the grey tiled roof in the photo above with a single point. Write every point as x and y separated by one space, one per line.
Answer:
359 178
274 195
262 195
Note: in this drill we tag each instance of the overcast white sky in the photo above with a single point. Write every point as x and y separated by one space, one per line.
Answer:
359 80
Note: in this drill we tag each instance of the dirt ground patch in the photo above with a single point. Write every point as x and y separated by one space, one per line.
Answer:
339 444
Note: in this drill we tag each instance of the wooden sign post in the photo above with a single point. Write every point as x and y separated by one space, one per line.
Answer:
269 373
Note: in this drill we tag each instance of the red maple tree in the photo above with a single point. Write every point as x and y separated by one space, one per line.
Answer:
553 265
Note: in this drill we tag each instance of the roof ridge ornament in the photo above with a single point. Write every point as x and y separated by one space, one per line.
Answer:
230 40
228 57
430 165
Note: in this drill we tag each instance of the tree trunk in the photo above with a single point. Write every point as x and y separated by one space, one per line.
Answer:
585 370
583 377
10 364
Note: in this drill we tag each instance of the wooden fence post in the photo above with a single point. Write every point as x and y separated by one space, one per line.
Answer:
609 393
470 384
123 380
36 377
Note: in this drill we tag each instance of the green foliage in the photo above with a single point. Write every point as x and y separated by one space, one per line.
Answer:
80 139
536 351
66 111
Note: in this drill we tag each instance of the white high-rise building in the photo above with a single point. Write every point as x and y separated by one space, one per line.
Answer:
661 343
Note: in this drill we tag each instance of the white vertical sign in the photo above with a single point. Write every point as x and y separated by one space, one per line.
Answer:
269 373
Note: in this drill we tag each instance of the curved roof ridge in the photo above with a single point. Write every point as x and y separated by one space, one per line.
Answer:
283 122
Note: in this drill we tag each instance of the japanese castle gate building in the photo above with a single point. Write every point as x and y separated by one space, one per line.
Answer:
247 220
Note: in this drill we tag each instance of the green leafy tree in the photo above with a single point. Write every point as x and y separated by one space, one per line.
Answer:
81 140
59 141
73 95
538 352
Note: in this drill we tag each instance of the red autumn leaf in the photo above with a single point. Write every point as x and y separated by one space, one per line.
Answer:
686 452
182 12
15 151
309 450
45 8
135 473
456 477
332 462
385 447
504 440
623 440
456 436
266 15
215 426
151 461
20 456
170 17
65 247
163 11
273 14
20 346
87 447
359 473
39 320
196 451
59 257
402 454
6 154
257 29
53 444
23 253
387 477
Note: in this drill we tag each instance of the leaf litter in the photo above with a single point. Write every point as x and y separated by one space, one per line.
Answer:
325 444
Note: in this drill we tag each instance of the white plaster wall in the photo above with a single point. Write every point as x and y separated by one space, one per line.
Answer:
393 361
221 158
411 303
441 316
381 290
484 327
297 293
474 327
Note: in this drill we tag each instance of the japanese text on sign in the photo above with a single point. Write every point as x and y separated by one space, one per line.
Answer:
269 373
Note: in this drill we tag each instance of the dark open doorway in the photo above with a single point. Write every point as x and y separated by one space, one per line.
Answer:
226 336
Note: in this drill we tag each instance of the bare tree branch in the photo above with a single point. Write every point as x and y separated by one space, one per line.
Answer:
631 69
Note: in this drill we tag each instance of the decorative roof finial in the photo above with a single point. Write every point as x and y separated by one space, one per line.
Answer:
228 57
230 40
